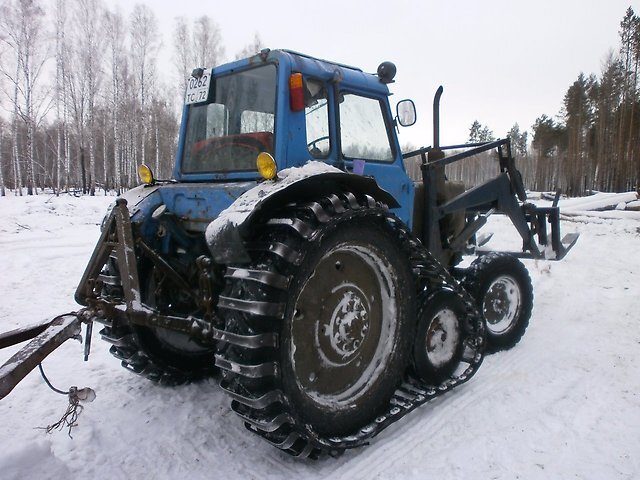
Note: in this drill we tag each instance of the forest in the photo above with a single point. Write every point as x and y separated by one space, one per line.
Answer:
593 142
84 105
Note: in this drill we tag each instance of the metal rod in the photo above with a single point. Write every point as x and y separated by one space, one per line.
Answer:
459 146
23 334
470 153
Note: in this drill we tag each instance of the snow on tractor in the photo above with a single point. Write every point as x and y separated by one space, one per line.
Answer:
292 255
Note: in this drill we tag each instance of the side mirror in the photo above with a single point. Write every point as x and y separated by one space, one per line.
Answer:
406 112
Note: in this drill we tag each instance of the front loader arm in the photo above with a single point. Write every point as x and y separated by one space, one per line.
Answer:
505 194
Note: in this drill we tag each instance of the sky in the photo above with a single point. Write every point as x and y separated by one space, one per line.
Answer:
500 62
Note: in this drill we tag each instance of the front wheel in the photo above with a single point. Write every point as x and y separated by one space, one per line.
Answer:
502 288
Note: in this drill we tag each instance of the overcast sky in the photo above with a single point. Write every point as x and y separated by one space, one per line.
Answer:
500 61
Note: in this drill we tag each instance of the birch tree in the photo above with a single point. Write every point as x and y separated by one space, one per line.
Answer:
62 135
115 35
11 87
207 43
84 80
24 34
183 57
144 46
2 188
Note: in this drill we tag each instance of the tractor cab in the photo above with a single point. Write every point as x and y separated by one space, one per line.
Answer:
289 109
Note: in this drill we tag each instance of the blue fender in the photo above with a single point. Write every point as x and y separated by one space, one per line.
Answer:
226 233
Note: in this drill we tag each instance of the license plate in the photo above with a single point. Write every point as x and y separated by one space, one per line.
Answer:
198 89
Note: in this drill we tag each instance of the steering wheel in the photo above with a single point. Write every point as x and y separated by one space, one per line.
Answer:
313 149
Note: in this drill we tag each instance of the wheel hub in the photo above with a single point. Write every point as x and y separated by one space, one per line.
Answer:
502 304
349 322
343 316
443 336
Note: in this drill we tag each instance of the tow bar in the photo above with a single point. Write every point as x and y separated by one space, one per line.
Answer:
45 338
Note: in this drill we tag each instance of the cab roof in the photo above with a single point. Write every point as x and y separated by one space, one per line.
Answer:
347 76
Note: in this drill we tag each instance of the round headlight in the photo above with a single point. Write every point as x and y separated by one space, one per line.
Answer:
266 166
145 174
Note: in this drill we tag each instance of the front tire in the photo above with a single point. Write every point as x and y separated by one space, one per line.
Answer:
502 288
180 357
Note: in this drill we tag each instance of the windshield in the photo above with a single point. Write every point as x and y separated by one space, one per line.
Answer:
227 133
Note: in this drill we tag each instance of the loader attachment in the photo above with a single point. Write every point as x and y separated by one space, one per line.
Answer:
545 224
47 336
503 194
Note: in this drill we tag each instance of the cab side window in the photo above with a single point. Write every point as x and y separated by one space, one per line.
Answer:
363 129
317 119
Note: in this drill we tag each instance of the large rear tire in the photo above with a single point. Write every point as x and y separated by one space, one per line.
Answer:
502 288
331 281
347 327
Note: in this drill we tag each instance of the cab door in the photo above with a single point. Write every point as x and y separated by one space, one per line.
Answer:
367 147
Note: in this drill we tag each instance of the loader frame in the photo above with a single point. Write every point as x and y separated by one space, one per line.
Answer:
500 194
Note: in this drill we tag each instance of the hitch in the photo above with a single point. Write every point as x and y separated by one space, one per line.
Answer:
46 337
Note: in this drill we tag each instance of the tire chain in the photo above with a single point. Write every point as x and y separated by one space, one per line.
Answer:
251 379
126 348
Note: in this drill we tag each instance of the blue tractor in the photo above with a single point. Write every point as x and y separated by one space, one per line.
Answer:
292 255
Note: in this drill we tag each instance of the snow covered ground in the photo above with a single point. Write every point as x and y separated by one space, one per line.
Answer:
563 404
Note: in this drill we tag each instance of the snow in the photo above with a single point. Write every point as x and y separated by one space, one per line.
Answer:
564 403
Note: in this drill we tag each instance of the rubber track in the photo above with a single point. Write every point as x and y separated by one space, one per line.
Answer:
125 348
251 376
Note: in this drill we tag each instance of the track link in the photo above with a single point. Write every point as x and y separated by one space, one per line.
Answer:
252 303
125 348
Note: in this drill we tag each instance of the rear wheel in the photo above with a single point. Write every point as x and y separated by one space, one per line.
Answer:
176 353
347 328
502 288
331 282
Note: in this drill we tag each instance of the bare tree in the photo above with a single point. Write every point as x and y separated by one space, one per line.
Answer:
183 57
144 47
115 33
2 190
8 43
25 35
84 80
252 48
62 131
207 42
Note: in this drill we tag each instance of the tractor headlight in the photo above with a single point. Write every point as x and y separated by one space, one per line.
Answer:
266 166
145 174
